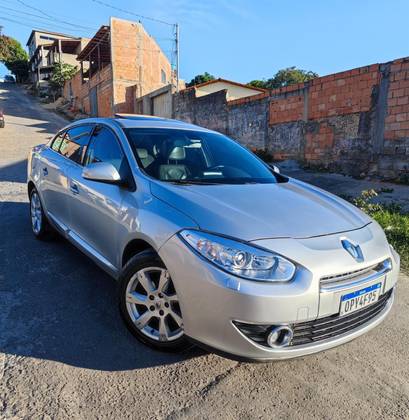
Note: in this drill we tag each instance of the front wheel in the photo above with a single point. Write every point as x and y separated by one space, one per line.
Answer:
149 303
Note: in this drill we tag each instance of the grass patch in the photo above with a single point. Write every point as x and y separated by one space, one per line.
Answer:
394 222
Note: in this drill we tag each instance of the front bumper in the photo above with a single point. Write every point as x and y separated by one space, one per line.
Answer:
211 300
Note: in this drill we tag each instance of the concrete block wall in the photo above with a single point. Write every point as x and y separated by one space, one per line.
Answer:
244 119
206 111
247 120
355 122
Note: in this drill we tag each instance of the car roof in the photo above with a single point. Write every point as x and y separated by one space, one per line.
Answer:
143 121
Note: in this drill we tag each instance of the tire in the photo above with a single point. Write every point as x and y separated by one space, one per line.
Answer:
39 224
149 305
2 123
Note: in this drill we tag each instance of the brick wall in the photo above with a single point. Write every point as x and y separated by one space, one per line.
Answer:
397 119
355 122
138 63
101 81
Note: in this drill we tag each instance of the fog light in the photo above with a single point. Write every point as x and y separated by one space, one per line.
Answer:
280 336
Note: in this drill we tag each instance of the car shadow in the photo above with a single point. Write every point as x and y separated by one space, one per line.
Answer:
56 304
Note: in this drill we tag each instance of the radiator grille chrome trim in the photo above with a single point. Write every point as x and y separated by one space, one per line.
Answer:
350 279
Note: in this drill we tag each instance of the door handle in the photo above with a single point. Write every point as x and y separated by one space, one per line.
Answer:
45 171
74 188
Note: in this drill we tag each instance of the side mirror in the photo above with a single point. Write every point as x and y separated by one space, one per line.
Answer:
102 172
275 168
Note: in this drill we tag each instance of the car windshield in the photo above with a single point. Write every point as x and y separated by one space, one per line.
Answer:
196 157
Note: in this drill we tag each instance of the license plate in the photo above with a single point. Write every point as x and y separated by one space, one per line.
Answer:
360 299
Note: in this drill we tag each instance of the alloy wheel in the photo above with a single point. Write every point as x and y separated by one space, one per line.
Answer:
36 213
153 305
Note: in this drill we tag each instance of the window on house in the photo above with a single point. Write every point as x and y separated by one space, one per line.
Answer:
163 76
48 38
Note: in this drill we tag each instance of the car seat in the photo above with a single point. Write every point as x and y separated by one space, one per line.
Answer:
175 170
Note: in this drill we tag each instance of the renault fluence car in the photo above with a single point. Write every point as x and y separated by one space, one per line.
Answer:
210 244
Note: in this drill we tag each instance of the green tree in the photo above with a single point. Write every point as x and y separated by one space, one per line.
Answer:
61 73
19 68
258 83
200 78
14 57
285 77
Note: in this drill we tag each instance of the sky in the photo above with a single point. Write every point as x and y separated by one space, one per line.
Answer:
240 40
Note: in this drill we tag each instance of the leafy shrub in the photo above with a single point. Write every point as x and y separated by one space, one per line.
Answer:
394 222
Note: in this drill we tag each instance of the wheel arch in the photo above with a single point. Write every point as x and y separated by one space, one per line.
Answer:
133 247
30 187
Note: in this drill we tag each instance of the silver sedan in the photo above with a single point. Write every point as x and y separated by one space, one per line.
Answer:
209 244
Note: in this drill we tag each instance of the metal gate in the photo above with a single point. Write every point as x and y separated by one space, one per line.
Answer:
162 105
93 102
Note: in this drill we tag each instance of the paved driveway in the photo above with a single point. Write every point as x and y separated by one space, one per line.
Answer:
64 352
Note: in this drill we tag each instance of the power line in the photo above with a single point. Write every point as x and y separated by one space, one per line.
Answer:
50 20
131 13
15 21
27 24
46 17
52 17
43 21
40 17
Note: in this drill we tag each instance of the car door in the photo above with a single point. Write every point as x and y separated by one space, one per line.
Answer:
96 211
53 185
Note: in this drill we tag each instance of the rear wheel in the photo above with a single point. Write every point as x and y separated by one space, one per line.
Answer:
149 303
39 223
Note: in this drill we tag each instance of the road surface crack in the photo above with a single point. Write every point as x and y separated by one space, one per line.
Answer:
202 394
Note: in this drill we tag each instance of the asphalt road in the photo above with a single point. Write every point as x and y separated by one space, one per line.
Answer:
64 352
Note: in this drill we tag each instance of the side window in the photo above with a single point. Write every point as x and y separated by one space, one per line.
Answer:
57 142
75 142
163 76
104 147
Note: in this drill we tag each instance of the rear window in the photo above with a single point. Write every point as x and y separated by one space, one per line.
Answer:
75 141
57 142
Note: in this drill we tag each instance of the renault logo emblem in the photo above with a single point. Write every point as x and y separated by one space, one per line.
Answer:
354 250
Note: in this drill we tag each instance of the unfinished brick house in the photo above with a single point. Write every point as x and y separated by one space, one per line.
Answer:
121 63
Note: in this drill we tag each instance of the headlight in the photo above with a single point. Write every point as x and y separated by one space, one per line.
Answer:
239 258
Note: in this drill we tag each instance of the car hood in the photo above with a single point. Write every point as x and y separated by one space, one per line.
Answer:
291 209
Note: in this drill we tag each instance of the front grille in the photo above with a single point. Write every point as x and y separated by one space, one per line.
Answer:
345 279
331 326
320 328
